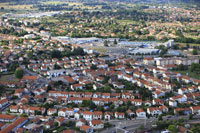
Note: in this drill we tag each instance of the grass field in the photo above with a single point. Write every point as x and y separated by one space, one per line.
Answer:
190 74
192 44
53 2
15 7
125 22
10 77
100 49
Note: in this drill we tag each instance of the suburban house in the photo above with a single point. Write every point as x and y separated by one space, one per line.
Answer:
62 112
179 98
154 111
108 115
172 103
97 115
86 129
195 110
96 124
87 115
80 122
119 115
140 113
51 111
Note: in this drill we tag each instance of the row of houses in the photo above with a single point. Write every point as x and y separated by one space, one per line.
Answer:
170 61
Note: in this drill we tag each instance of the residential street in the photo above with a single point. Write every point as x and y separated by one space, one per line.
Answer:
128 125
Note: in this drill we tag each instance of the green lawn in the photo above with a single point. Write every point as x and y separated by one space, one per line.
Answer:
10 77
100 49
190 74
125 22
192 44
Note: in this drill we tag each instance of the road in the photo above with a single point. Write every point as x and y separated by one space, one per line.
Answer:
128 125
131 125
27 71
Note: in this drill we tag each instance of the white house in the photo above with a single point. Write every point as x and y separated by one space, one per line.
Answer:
157 94
182 91
80 123
140 113
70 112
51 111
86 129
87 115
172 103
96 124
77 116
119 115
14 108
154 111
108 115
62 112
76 86
97 115
127 77
148 103
179 98
195 110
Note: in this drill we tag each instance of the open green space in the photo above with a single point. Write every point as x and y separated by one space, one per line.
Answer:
10 77
190 74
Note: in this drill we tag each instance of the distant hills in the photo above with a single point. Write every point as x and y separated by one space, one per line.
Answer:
131 1
20 0
157 1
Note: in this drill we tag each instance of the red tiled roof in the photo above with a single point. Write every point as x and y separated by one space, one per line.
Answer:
96 122
14 125
84 127
7 117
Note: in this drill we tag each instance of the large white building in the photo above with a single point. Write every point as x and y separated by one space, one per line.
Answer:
169 43
145 51
176 61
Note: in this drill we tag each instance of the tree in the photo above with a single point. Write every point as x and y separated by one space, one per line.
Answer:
93 67
24 115
195 52
56 54
195 68
106 43
89 104
19 73
13 66
57 67
181 67
141 127
55 124
190 117
160 118
100 108
30 54
111 107
172 128
115 42
14 97
38 112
